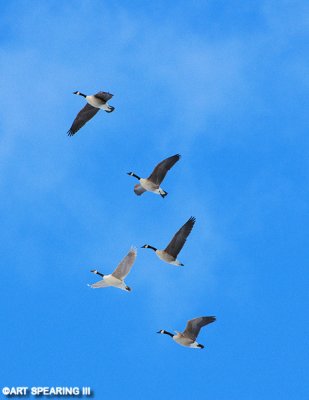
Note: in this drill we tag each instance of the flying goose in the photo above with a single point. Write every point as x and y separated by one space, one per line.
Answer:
188 336
170 254
95 102
116 279
152 183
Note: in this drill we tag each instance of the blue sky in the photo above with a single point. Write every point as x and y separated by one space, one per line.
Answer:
225 84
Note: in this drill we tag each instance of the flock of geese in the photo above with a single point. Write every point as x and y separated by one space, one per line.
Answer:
99 101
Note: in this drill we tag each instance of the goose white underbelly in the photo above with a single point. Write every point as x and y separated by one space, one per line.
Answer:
97 103
148 185
187 342
112 281
164 256
105 107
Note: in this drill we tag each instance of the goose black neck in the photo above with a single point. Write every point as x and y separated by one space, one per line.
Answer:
152 248
135 176
168 333
82 94
99 273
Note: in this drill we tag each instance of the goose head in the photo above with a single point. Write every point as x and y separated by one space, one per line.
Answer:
147 246
94 271
164 332
132 174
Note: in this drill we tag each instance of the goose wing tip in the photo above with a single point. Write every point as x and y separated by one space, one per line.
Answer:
133 249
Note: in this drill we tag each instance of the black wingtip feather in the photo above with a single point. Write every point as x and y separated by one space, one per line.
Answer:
192 220
211 319
178 156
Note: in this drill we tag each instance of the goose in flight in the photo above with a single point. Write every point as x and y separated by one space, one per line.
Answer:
152 183
95 102
170 254
188 337
116 279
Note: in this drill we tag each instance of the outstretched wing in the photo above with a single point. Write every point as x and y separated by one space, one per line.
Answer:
179 239
126 264
82 117
158 174
138 189
105 96
99 284
194 326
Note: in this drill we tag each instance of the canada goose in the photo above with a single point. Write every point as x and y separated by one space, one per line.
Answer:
116 279
95 102
152 183
188 336
170 254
